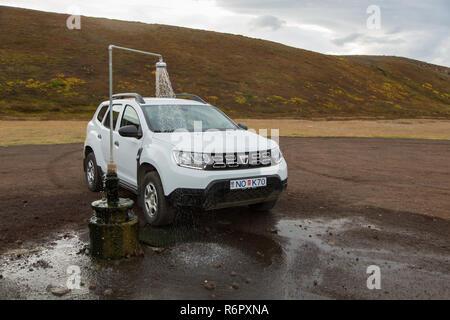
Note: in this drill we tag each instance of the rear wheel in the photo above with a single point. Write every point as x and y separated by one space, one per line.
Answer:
264 206
157 210
93 177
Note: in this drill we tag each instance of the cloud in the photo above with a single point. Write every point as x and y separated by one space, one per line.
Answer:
367 39
267 22
412 28
350 38
415 29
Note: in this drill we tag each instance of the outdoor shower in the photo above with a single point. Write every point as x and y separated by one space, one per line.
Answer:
114 229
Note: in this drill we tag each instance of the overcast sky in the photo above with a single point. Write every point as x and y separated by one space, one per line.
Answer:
417 29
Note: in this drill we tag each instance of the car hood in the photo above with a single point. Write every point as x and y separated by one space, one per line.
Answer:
229 141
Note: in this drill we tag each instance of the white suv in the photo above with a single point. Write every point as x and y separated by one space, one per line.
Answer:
177 152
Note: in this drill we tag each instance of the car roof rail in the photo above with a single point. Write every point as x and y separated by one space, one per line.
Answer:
193 96
137 96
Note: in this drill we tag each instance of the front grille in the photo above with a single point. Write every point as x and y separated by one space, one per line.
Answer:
219 195
239 160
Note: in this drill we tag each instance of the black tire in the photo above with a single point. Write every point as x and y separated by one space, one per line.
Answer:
157 210
263 206
93 177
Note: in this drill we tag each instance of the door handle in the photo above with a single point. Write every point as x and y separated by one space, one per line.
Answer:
116 143
99 136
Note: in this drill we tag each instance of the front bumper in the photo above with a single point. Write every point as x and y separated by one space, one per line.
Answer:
218 195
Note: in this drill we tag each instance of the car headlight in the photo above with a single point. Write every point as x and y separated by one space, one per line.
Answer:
276 155
193 160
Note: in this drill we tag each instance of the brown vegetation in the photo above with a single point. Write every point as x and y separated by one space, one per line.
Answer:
47 69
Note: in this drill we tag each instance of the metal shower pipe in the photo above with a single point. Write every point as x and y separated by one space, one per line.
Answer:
110 49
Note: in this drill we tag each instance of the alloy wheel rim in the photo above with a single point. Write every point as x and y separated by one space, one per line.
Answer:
151 200
90 172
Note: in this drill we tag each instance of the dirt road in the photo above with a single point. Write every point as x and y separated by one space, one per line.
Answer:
350 203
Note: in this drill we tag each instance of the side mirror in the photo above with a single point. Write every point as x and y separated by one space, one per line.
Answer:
130 132
242 126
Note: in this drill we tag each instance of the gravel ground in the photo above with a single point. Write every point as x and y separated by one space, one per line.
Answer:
350 203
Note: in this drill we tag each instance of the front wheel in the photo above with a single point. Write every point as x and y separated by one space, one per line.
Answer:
157 210
93 177
263 206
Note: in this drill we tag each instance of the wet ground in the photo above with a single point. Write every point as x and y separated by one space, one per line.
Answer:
351 203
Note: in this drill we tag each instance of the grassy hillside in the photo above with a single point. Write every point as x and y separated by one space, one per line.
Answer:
49 70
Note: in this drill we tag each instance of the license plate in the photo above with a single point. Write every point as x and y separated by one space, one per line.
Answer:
248 183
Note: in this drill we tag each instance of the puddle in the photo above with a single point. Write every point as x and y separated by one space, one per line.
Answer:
319 232
169 236
28 272
185 259
286 259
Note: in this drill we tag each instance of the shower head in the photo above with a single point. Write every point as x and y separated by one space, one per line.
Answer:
161 64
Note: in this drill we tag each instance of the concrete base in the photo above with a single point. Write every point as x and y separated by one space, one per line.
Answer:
113 230
114 241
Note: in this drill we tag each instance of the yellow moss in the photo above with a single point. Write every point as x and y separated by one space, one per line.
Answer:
331 105
240 100
276 98
354 97
296 100
336 91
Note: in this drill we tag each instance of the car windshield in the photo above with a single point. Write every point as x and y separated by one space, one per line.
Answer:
168 118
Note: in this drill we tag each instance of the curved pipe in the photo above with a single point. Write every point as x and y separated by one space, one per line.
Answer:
110 49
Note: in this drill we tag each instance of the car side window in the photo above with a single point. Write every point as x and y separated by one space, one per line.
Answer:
101 113
116 111
130 117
